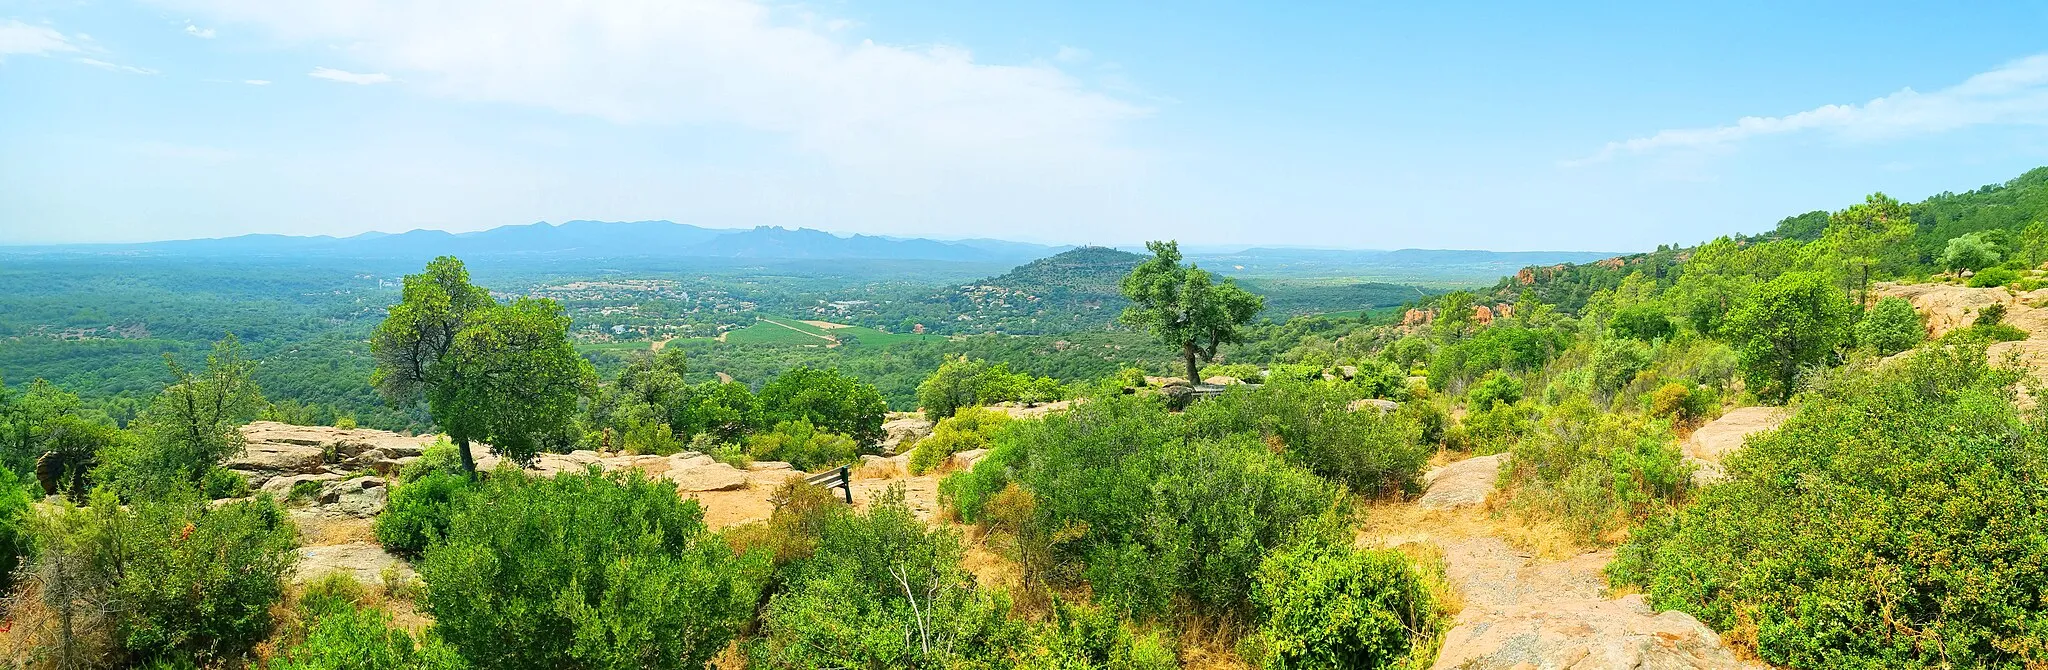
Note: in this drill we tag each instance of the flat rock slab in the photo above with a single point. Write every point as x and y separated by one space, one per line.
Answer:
713 477
1465 483
1720 437
1621 633
362 561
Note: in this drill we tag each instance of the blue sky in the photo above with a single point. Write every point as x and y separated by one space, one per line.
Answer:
1608 126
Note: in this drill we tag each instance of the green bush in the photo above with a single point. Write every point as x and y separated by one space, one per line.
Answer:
1616 362
1312 425
1328 606
340 633
418 512
1595 472
969 428
1791 324
1492 431
1993 277
1896 520
1244 372
1171 519
828 399
883 590
1084 638
14 526
802 445
222 483
586 570
440 457
1891 326
1644 322
1495 389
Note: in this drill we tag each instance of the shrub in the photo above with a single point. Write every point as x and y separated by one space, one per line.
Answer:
883 590
832 401
1170 517
1641 322
220 483
345 422
1896 520
14 526
1078 636
970 428
1495 389
336 630
804 446
1993 277
1990 315
586 570
1324 605
1616 362
1594 472
732 454
1244 372
1494 430
1791 323
440 457
418 512
1891 326
1312 425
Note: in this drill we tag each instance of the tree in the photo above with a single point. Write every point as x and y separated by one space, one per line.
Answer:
513 381
1969 252
1891 326
190 429
831 401
503 374
1184 307
412 344
1868 236
1791 322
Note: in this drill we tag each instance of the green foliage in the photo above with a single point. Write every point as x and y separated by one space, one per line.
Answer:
1891 326
1326 606
342 634
1084 638
588 571
1503 348
1311 423
883 590
14 526
1163 517
1495 389
726 411
1993 277
1968 252
43 419
1595 472
1244 372
1896 520
1644 322
964 382
828 399
439 457
804 446
420 509
970 428
1791 323
222 483
189 430
1184 308
1683 403
1615 363
513 380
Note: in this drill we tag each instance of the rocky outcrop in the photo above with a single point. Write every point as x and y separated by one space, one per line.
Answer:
1465 483
277 449
1713 442
362 561
1381 405
1621 633
903 430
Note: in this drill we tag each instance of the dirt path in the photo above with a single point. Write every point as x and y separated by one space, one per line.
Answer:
1518 608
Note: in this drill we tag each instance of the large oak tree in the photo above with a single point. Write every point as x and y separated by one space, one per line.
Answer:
1185 307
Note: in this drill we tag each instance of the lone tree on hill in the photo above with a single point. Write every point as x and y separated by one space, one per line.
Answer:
502 374
1184 307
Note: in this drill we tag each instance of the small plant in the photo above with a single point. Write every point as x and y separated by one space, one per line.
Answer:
303 491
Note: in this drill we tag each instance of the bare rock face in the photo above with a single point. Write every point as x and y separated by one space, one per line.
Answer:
279 487
1620 633
1381 405
1721 437
902 431
363 561
964 460
1465 483
276 449
712 477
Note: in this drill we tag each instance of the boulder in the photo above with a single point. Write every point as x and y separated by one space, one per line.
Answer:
1382 405
713 477
898 432
363 561
1711 443
1465 483
1621 633
281 486
361 498
882 467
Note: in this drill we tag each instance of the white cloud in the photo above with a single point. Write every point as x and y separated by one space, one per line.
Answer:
196 31
2013 94
33 40
115 67
256 82
349 77
927 113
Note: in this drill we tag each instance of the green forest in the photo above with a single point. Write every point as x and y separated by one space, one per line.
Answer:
1149 465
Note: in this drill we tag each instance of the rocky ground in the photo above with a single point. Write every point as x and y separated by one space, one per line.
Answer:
1518 609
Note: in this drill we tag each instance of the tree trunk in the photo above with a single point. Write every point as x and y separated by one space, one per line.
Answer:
468 461
1187 351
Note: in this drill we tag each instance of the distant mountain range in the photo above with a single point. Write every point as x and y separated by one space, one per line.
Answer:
665 239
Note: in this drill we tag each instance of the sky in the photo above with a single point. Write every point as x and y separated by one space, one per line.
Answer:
1566 126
